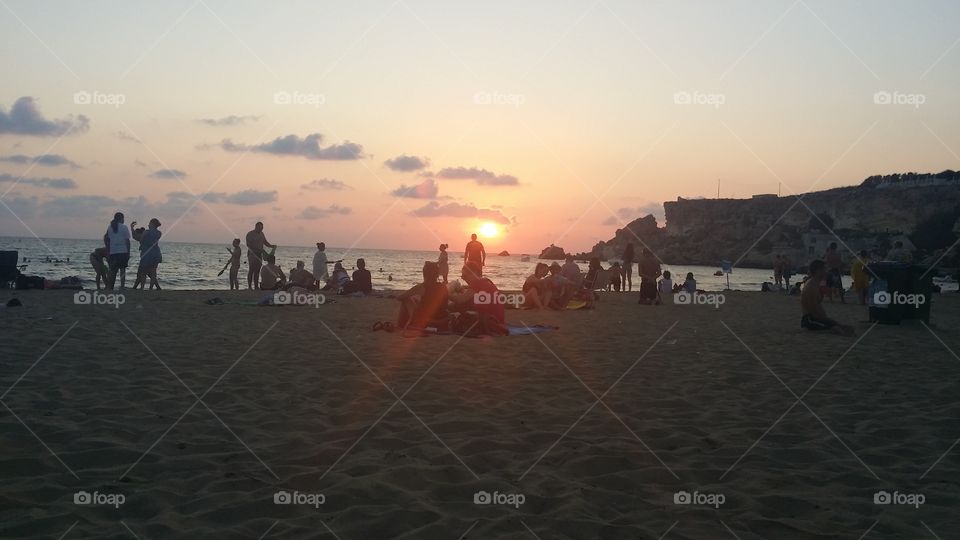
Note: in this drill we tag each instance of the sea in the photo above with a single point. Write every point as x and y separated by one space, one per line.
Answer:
194 266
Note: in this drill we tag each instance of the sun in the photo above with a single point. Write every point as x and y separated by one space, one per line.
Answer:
489 230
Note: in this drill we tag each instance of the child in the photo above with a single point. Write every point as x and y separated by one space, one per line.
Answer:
665 286
234 264
97 260
442 262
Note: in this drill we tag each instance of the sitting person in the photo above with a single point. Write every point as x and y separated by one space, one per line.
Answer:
338 280
271 276
361 282
592 268
616 276
664 287
301 277
690 284
465 300
536 292
561 288
571 271
424 304
811 303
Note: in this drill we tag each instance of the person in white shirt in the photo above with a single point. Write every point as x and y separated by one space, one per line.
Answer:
665 287
118 243
320 263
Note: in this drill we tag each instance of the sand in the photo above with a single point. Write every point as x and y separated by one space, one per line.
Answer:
198 415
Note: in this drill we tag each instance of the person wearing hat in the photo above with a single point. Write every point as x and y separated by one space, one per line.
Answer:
150 256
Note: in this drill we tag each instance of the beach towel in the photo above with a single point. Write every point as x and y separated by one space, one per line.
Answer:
514 330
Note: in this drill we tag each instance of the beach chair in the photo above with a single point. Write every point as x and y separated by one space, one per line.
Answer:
9 271
601 280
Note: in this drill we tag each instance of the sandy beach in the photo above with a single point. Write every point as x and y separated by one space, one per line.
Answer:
200 415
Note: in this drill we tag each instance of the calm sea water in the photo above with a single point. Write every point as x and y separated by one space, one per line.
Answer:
195 266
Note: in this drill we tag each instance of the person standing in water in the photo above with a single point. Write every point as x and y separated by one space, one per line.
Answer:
443 263
118 238
474 252
256 241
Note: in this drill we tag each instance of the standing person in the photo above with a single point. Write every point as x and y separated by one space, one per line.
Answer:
234 264
648 267
628 256
256 241
787 272
97 260
861 276
811 304
150 256
834 271
474 252
118 237
137 234
443 262
320 262
778 271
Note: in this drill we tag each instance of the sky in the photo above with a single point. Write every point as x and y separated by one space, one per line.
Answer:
407 123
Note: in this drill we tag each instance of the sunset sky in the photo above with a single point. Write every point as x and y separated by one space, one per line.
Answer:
403 124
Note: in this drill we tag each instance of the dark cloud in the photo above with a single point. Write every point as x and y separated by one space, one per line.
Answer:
52 183
232 120
49 160
167 174
427 189
24 118
325 184
249 197
312 212
480 176
308 147
435 209
406 163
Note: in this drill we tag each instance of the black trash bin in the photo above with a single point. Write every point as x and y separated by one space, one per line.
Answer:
888 278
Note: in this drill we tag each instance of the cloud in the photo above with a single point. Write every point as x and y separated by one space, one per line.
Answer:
325 184
48 160
52 183
24 118
406 163
435 209
312 212
139 163
167 174
232 120
627 215
308 147
248 197
427 189
124 136
480 176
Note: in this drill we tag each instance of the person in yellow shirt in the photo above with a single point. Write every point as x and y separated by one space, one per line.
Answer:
861 277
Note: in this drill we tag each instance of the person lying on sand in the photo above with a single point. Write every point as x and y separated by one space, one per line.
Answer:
424 304
536 292
811 303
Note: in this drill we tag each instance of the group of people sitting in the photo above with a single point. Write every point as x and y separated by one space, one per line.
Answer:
272 278
553 286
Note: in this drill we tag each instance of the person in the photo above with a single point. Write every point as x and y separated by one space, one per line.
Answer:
690 284
320 262
861 276
593 266
474 252
118 238
834 271
301 277
778 271
536 293
616 276
628 255
814 317
424 304
571 271
899 254
466 299
562 289
649 270
362 281
137 234
97 259
787 272
150 256
665 287
272 277
234 264
443 263
256 241
338 280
